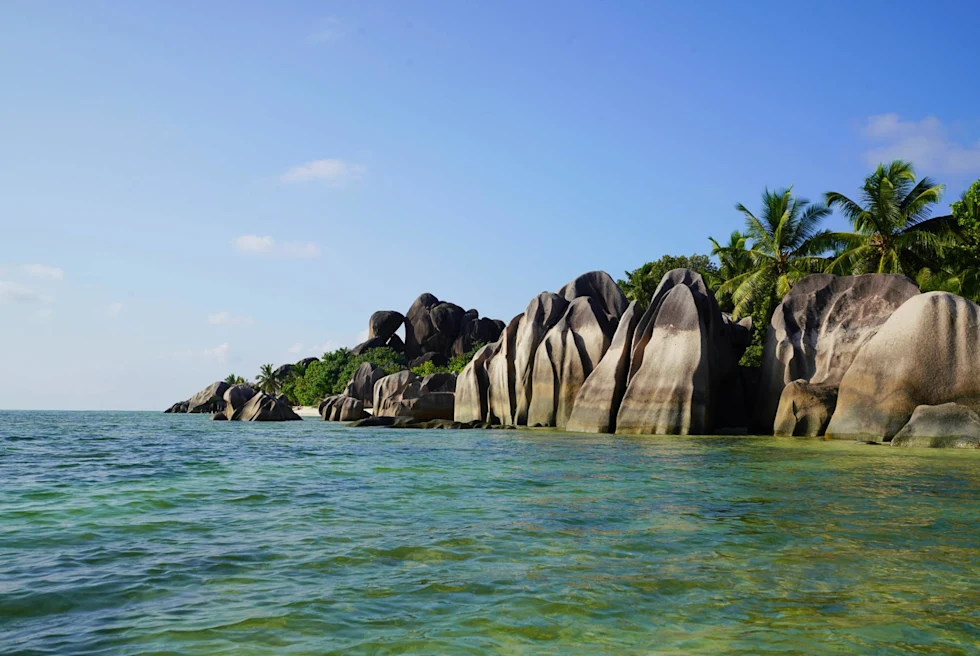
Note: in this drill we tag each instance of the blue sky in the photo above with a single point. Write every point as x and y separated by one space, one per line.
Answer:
191 189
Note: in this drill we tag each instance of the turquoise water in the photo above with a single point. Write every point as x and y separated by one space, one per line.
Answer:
133 533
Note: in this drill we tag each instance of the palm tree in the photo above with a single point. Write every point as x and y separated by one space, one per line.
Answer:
786 247
232 379
892 229
267 379
734 259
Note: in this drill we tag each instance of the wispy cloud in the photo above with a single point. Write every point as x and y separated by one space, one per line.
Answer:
268 246
295 348
11 292
328 30
43 272
925 143
114 309
228 319
219 352
335 172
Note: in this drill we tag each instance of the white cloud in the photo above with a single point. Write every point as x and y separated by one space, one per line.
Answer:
295 348
255 245
329 30
226 318
114 309
925 143
336 172
44 272
13 293
219 352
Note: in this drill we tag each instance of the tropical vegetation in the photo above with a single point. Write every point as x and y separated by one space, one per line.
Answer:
894 229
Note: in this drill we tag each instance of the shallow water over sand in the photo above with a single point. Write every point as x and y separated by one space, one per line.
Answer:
125 533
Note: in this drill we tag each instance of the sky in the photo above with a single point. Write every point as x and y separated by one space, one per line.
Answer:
193 189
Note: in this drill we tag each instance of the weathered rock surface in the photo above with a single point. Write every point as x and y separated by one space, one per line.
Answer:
597 402
600 287
438 359
209 399
500 375
407 396
342 408
236 396
568 353
361 386
306 362
475 329
941 426
178 408
472 387
364 347
431 326
543 312
820 327
805 409
384 323
683 348
265 407
926 353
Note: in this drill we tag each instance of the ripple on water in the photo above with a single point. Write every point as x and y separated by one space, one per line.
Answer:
131 533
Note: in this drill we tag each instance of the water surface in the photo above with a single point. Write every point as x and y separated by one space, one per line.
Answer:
133 533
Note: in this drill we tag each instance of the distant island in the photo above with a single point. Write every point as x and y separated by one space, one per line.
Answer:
872 335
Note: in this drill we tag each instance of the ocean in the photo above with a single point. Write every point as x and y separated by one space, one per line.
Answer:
146 533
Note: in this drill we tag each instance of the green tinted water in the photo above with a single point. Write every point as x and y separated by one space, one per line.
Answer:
125 533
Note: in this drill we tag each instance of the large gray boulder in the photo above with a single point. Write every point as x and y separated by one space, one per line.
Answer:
569 352
236 396
209 399
474 330
820 327
544 311
372 343
342 408
361 386
431 326
473 386
926 353
683 348
941 426
384 323
805 409
597 402
404 395
389 387
500 376
600 287
265 407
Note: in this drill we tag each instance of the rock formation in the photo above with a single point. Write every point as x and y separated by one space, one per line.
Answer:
569 352
926 353
472 385
236 396
805 409
208 400
598 400
677 361
342 408
533 373
404 395
361 386
948 425
384 323
818 330
264 407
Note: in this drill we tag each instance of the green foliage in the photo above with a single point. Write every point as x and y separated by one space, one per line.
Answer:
640 284
267 380
785 248
752 356
735 260
388 359
893 231
232 379
456 364
966 211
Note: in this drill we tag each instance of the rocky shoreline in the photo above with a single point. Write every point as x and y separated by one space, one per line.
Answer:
865 358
